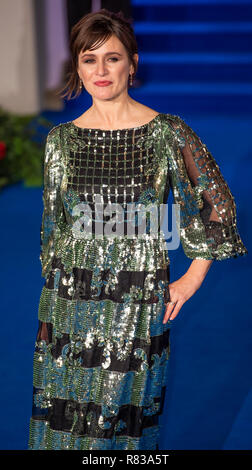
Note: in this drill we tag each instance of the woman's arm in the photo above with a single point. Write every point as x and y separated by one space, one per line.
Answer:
208 222
198 269
53 217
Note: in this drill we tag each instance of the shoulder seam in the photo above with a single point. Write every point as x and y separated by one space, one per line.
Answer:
54 128
175 118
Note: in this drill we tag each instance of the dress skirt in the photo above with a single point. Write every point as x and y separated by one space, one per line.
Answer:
101 354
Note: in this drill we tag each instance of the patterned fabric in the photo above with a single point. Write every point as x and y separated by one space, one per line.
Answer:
101 350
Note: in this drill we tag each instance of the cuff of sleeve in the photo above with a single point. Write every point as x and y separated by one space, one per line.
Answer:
224 251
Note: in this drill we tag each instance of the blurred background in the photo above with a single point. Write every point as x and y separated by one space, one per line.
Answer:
195 61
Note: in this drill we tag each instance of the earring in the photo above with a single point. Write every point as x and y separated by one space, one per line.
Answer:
131 79
80 84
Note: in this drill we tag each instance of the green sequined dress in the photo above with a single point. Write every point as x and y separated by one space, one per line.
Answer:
101 350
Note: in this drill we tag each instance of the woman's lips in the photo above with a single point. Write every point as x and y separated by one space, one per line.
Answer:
105 83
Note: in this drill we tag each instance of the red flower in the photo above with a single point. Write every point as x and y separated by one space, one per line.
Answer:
2 149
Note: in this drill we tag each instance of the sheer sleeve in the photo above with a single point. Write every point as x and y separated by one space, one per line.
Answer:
53 217
208 224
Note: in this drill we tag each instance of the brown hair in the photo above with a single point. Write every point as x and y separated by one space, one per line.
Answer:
96 28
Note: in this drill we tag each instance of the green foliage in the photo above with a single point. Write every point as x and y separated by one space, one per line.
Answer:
25 145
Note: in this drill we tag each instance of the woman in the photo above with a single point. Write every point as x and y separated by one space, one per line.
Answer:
106 308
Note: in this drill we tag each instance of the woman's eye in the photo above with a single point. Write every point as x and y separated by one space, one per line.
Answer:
112 58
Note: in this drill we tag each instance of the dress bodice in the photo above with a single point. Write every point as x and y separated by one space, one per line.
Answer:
115 184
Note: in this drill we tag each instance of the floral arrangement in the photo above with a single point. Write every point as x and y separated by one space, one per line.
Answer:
22 148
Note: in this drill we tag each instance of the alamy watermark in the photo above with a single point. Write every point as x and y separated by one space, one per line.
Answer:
114 221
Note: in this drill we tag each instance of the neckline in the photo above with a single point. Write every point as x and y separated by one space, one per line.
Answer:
115 130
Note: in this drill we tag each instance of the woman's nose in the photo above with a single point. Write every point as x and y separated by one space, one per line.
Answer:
101 69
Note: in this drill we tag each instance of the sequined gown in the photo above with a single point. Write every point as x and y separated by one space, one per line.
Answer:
101 350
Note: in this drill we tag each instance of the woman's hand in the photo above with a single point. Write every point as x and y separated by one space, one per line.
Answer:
180 291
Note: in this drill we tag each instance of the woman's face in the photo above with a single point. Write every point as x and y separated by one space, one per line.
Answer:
107 63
